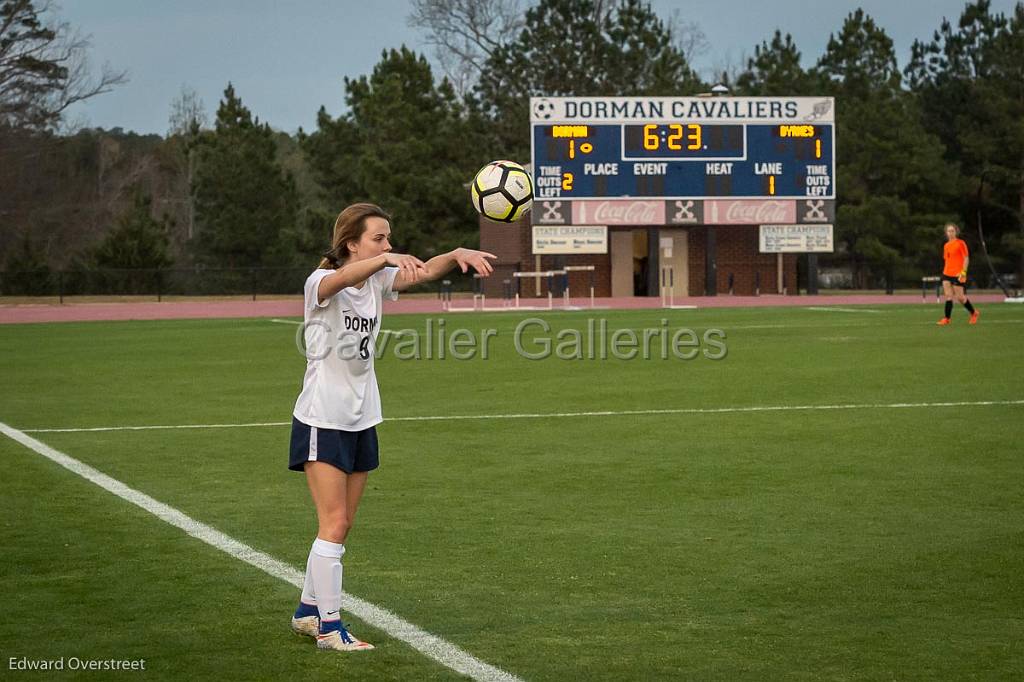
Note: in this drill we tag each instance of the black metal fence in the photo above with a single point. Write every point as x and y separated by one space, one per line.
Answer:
154 282
159 283
269 281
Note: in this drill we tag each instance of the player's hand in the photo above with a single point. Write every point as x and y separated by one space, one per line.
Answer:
410 267
962 277
468 258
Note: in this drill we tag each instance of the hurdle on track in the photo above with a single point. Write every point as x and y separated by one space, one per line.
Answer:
925 281
510 289
579 268
550 274
479 298
668 290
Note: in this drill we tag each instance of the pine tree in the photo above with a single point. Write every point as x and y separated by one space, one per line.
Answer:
775 71
887 163
406 145
137 241
26 270
970 81
570 47
244 202
129 257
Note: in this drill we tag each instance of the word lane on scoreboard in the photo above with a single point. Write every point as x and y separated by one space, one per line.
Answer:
683 148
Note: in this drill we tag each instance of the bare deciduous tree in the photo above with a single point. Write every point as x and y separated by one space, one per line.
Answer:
186 121
188 113
688 36
465 33
44 66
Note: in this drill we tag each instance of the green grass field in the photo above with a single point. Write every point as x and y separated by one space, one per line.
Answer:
870 542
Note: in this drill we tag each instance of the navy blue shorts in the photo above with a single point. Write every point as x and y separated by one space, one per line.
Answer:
350 451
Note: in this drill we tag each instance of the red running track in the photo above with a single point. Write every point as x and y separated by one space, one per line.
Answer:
173 310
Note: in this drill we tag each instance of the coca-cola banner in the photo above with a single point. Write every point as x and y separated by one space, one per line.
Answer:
683 212
748 212
621 212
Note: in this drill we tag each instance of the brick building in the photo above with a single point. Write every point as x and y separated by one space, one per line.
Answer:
636 257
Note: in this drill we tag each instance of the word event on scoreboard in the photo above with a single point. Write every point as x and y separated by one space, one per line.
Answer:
683 148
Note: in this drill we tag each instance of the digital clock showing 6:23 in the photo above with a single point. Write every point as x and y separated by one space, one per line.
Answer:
682 141
688 158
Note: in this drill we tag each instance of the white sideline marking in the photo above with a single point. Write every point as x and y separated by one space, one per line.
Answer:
719 325
564 415
834 309
429 645
157 426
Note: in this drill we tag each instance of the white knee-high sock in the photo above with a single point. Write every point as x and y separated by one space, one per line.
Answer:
308 593
325 567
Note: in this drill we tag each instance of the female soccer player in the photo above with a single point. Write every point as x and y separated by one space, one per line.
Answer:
334 440
954 274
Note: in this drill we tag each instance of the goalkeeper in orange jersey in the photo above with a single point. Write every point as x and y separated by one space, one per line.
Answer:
954 274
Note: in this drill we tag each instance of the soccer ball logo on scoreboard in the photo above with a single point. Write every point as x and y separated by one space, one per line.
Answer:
543 109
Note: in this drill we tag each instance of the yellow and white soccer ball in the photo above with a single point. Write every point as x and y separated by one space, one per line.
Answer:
502 191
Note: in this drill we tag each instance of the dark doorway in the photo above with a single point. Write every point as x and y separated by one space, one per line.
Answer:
640 262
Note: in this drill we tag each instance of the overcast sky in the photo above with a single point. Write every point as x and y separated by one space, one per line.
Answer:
286 58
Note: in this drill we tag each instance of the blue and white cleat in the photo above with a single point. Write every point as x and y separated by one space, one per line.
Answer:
340 640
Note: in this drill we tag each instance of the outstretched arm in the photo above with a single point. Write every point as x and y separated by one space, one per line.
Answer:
410 267
438 266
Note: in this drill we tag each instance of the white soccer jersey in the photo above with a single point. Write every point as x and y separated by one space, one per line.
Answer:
339 390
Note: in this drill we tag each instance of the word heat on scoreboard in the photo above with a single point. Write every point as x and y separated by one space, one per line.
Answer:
683 148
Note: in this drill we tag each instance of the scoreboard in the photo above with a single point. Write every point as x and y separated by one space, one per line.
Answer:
683 148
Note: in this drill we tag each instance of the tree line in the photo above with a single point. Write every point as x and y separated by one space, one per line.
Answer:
939 138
